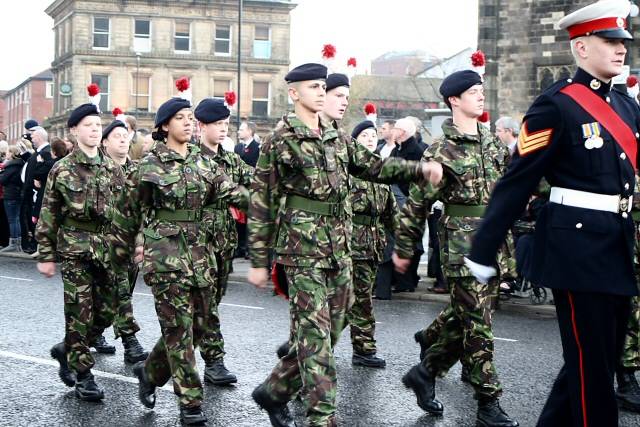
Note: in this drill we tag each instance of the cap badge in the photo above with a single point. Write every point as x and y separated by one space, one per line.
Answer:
595 84
620 22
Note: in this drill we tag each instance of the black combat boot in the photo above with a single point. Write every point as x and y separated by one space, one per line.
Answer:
279 414
419 337
192 416
424 386
628 393
87 389
66 375
368 360
217 374
101 346
283 350
465 375
490 414
146 390
133 351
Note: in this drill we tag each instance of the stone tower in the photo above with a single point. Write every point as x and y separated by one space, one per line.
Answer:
525 52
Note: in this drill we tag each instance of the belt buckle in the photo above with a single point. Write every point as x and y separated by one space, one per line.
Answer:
625 204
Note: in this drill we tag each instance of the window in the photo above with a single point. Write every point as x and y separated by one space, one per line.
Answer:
100 33
142 36
102 80
48 90
220 87
140 91
181 38
222 42
260 104
262 43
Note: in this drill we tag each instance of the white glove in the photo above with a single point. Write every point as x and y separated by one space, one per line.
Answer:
481 272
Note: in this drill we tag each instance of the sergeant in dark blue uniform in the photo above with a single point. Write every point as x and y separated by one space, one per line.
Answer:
581 135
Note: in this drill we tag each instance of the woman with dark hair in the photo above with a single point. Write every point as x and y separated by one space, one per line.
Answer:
167 195
12 185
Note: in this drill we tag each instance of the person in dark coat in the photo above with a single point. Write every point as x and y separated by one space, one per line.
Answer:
248 148
12 187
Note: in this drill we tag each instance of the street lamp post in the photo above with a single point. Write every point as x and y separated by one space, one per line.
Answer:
137 80
239 61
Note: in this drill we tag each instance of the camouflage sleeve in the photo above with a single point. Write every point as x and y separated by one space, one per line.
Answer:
263 204
127 221
230 192
49 220
390 213
413 216
370 167
246 172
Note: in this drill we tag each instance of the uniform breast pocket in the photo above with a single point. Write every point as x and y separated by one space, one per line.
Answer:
163 249
167 189
589 161
75 197
466 176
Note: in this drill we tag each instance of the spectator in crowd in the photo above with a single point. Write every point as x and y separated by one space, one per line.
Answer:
3 136
507 130
59 148
418 135
35 179
147 142
387 143
12 194
4 225
248 148
4 147
70 142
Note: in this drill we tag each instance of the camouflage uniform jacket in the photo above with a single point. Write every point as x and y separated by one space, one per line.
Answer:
83 189
167 182
472 166
372 200
222 227
295 160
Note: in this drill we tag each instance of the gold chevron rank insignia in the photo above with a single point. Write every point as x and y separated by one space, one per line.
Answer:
534 141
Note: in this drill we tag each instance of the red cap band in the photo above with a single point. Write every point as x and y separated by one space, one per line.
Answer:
596 25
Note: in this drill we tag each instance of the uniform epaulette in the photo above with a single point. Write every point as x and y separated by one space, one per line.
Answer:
557 86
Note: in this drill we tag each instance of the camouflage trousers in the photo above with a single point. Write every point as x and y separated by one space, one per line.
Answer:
212 344
125 324
318 302
360 316
182 311
631 351
462 331
89 308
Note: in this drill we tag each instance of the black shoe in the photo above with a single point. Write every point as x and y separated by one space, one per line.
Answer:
279 414
101 346
424 386
87 389
465 375
283 350
146 390
490 414
133 351
419 337
368 360
628 392
217 374
66 375
192 416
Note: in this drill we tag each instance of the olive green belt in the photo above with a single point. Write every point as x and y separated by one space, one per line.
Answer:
82 225
635 215
363 219
218 205
181 215
465 210
315 206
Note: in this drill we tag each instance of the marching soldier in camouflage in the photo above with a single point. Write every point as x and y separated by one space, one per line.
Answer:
171 187
301 183
213 117
72 230
473 161
374 211
628 392
115 140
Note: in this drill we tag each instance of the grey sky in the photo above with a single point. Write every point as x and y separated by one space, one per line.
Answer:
364 29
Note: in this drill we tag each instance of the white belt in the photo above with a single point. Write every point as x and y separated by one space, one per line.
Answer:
586 200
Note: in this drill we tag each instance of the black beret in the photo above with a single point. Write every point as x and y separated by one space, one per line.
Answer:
114 124
456 83
169 109
362 126
81 112
211 110
335 80
306 72
29 124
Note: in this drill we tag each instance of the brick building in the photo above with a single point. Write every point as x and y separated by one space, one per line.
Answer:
525 52
135 50
31 99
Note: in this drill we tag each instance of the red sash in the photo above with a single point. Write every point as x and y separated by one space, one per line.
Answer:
607 117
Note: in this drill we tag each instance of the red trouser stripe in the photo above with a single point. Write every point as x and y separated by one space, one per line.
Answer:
582 387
